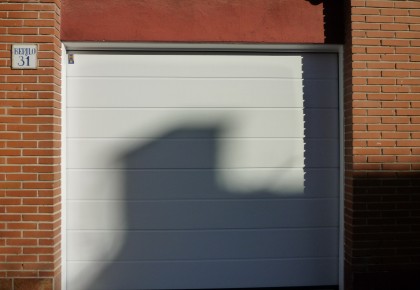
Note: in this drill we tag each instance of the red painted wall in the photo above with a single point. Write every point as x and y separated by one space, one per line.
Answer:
261 21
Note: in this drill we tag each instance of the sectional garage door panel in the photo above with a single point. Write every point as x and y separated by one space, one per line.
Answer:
257 123
214 245
202 171
187 184
207 274
197 66
208 214
202 93
169 153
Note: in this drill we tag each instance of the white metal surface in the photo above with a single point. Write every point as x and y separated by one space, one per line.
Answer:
184 169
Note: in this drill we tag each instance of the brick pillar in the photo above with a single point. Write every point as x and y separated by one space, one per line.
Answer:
348 149
30 122
382 215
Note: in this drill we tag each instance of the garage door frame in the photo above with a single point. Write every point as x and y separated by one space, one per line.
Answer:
70 48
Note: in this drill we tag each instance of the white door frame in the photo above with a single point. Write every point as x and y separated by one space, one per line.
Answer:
70 48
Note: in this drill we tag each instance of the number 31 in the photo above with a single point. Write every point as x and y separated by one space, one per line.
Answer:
23 61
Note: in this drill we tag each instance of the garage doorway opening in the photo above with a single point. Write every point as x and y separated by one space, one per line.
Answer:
181 194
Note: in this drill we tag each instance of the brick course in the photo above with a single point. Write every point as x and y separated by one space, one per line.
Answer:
382 221
30 148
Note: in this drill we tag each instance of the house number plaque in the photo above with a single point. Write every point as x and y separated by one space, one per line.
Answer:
24 56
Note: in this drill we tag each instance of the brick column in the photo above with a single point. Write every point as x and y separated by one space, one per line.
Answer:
382 216
30 125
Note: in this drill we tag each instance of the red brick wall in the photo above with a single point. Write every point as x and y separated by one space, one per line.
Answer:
30 148
382 92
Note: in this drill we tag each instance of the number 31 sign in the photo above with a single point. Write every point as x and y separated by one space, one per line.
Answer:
24 56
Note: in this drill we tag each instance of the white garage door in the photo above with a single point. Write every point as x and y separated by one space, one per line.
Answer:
202 171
